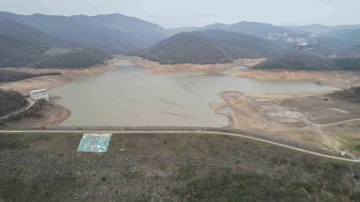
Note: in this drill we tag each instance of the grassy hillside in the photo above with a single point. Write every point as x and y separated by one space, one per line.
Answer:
9 75
307 61
177 167
208 47
11 101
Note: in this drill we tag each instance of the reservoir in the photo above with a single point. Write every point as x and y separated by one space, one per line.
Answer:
128 96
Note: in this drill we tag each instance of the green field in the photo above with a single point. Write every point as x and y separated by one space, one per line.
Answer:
168 167
57 51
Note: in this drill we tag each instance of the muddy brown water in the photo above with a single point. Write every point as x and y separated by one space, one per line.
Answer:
129 97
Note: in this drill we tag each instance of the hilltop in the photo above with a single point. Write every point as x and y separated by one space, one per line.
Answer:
113 33
208 47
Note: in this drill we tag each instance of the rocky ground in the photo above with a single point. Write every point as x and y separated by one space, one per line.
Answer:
164 167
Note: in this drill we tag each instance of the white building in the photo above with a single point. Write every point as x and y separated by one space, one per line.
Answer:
37 95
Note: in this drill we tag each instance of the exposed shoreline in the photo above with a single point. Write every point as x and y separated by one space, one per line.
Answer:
310 118
52 114
155 68
48 115
336 79
48 82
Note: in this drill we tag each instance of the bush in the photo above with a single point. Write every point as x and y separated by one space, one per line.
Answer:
351 94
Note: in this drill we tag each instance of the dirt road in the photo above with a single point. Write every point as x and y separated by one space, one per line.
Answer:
187 132
336 123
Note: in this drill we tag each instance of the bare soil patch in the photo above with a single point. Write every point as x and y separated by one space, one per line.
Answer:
324 109
306 117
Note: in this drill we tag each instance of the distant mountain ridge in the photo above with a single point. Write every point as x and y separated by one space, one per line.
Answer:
75 41
321 29
22 45
292 39
114 33
208 46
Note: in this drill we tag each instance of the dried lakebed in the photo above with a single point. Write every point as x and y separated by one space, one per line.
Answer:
128 96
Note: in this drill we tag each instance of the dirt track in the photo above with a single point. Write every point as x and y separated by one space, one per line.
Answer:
187 132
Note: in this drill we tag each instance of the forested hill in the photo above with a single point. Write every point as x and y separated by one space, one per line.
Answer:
20 31
208 47
113 33
307 61
21 45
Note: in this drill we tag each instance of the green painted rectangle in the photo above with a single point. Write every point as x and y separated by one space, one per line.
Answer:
94 142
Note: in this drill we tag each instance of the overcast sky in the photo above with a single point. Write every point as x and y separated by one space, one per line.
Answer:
178 13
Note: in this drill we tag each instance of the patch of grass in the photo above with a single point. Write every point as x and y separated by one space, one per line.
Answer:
57 51
357 147
187 171
242 187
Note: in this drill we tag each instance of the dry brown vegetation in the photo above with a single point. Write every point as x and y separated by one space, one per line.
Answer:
176 167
